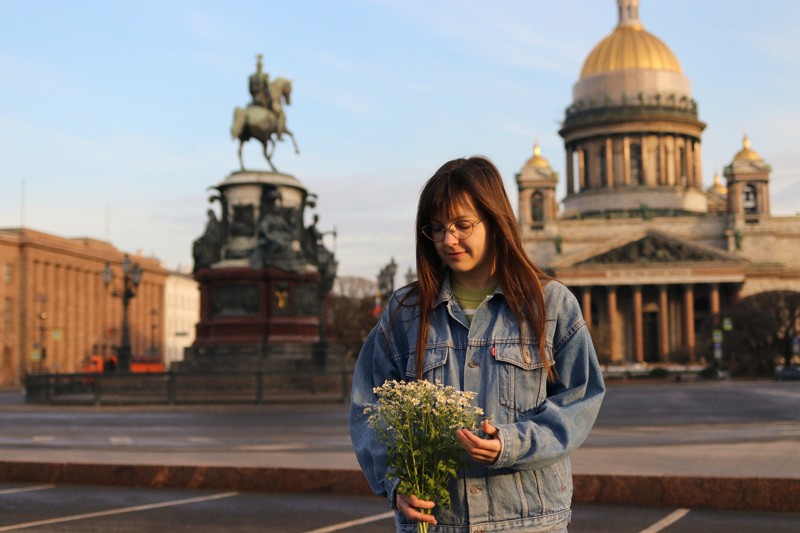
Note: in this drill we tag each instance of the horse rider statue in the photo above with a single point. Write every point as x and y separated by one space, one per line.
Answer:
264 117
259 86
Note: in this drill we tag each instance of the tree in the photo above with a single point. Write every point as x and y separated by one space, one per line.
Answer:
349 312
764 326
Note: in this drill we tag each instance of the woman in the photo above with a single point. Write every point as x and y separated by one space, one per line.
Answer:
482 317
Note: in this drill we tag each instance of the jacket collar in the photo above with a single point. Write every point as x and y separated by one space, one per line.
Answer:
446 291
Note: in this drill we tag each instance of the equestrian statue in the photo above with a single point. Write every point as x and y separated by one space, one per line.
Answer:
263 118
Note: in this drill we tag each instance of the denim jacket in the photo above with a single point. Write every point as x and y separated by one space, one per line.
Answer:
529 487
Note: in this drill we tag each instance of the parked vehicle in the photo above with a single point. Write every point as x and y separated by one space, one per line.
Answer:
787 372
98 364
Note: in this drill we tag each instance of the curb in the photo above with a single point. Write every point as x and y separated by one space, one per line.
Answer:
752 494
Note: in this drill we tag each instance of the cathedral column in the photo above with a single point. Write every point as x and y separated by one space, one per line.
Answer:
662 161
714 300
690 163
645 162
613 325
609 163
663 323
570 170
626 160
581 169
638 336
688 320
525 217
586 304
698 165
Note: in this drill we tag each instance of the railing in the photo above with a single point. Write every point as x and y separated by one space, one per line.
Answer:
188 388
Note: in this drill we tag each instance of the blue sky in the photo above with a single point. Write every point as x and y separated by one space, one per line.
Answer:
115 116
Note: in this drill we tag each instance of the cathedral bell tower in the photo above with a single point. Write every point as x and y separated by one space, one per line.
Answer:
748 185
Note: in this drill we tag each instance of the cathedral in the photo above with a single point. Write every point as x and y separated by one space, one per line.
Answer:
654 258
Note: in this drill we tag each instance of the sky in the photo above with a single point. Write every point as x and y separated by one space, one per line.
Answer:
115 116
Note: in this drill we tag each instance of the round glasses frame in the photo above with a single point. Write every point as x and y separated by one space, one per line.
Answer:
462 229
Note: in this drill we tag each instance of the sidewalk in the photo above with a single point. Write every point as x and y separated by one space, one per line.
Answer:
727 466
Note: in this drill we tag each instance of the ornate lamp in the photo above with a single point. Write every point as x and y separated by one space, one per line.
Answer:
131 277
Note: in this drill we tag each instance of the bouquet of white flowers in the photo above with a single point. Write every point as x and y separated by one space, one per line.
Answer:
417 422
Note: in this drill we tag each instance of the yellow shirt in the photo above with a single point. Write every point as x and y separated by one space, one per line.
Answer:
470 299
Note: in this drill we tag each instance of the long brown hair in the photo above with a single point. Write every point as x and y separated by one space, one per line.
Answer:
477 181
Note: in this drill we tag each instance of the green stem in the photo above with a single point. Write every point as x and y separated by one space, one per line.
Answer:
422 527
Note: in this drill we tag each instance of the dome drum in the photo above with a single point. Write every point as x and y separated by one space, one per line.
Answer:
634 86
635 202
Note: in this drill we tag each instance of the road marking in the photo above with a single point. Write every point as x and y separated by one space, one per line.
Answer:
120 510
26 489
120 440
345 525
271 447
42 439
666 521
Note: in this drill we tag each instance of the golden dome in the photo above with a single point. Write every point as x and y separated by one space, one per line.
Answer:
746 153
629 46
718 187
537 160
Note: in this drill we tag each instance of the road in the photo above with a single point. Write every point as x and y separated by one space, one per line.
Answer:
87 509
708 429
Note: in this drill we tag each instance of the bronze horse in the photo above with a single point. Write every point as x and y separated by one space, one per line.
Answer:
256 122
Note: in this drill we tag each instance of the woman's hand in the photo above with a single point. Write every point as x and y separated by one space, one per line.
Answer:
484 451
408 505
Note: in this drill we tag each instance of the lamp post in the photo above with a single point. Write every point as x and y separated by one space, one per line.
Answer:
153 315
131 276
42 299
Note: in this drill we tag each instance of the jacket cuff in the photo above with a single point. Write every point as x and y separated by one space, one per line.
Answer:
392 491
508 449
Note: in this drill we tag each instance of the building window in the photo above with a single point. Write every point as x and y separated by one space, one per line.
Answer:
637 176
8 316
586 169
601 160
750 199
537 209
683 165
8 273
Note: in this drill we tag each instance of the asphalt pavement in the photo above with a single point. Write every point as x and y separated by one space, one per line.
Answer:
725 445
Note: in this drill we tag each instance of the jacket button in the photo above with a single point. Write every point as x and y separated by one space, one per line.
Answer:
473 363
474 489
527 358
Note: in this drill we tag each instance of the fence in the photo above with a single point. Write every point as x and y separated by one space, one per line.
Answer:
188 388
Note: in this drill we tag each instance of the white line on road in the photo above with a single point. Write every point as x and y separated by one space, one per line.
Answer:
121 510
26 489
345 525
666 521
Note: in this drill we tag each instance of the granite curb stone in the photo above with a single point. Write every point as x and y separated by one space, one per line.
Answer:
727 493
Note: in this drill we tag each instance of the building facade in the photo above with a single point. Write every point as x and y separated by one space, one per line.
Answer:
181 315
58 309
654 258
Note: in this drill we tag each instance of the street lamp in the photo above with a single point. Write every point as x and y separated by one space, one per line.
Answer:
42 349
131 276
153 315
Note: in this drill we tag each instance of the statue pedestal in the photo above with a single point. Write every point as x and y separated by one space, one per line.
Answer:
256 319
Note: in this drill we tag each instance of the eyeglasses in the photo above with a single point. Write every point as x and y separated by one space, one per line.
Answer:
460 228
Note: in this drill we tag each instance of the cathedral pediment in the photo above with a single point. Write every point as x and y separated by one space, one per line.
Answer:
650 248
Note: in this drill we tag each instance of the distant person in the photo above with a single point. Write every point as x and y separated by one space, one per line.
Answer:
482 317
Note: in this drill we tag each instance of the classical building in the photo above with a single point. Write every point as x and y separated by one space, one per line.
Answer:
181 314
57 307
653 257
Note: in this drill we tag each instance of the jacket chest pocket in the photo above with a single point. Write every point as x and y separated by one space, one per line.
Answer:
433 366
521 378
